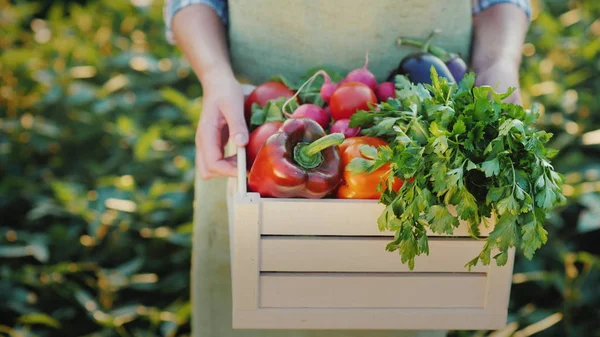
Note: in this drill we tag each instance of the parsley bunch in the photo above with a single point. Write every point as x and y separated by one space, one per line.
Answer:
468 156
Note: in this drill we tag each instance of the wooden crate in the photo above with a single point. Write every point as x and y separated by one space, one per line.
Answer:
322 264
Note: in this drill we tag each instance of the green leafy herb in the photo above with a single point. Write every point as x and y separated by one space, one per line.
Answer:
466 148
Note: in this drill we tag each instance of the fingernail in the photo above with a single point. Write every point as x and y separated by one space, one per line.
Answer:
240 139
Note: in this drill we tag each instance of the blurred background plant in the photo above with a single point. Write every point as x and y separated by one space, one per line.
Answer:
97 122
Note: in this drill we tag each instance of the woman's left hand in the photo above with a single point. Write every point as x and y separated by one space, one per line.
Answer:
501 75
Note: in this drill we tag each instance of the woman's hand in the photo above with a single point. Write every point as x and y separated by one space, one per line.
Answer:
200 34
222 117
501 75
499 34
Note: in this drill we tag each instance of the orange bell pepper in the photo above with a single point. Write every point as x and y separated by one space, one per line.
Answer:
362 185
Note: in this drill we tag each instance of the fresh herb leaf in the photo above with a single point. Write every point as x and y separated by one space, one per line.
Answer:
491 167
441 221
368 151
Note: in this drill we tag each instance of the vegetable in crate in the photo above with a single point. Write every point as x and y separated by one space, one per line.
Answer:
274 110
258 138
385 90
299 160
363 185
416 66
263 93
479 154
349 98
343 126
312 111
456 65
362 75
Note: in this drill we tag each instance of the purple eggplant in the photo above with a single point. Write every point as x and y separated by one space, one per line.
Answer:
454 63
457 66
417 68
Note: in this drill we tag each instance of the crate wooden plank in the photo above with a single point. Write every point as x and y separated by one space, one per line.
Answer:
366 254
331 217
245 264
371 319
499 283
403 290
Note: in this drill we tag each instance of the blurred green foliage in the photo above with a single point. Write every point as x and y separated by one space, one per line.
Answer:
97 128
97 121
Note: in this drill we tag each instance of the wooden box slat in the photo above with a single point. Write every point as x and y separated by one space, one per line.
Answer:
335 217
365 254
373 290
370 319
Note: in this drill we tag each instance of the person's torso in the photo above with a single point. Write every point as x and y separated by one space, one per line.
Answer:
289 37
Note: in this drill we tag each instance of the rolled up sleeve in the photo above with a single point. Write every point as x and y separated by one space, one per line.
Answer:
171 7
481 5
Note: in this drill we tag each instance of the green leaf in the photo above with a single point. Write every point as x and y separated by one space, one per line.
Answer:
359 165
467 207
495 193
258 115
175 97
545 198
440 145
435 130
442 222
368 151
282 79
501 258
39 318
361 118
491 167
468 81
508 205
438 176
273 113
39 252
534 236
509 124
459 127
144 143
505 232
471 165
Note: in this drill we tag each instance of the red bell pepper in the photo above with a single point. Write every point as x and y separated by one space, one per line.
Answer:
362 185
299 160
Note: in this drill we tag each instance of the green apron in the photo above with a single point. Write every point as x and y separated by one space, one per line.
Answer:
288 37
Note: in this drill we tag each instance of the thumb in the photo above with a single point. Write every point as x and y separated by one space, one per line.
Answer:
234 115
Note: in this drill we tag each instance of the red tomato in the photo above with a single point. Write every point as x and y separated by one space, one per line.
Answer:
349 98
265 92
258 137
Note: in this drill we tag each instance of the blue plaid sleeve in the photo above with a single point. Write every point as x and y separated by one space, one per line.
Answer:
171 7
480 5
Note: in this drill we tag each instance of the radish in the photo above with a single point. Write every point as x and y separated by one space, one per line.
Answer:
362 75
343 126
314 112
328 88
385 90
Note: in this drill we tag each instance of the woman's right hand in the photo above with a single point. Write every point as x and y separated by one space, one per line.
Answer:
200 33
222 117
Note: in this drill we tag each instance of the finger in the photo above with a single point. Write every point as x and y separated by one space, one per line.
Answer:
209 145
200 161
233 111
201 166
212 148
